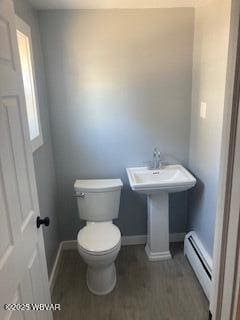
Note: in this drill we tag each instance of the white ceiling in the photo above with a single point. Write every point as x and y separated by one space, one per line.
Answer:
111 4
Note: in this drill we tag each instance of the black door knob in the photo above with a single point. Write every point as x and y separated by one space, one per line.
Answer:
45 221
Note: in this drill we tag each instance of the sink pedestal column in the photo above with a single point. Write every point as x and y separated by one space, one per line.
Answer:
157 247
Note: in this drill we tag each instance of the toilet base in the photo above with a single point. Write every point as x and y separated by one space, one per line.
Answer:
101 281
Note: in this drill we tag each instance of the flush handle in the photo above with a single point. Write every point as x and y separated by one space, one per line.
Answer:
79 195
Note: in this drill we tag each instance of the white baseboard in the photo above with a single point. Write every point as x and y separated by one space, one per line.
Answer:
142 239
126 241
64 245
133 240
55 268
199 265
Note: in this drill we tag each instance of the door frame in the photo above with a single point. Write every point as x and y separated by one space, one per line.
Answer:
223 302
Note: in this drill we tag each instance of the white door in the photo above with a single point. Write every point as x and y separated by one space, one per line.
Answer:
23 272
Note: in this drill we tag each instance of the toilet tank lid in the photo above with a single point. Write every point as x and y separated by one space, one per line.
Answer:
98 185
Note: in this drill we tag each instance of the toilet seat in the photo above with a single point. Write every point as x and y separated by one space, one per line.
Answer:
99 238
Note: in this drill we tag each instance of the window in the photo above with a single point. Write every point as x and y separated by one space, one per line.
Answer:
29 82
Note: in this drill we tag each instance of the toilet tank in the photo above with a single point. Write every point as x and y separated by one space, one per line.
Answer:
98 200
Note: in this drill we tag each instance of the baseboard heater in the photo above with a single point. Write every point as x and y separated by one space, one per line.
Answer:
200 261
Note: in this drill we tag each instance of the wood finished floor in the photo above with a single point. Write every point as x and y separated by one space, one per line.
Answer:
145 290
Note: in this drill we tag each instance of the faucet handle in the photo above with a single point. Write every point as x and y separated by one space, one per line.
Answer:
156 152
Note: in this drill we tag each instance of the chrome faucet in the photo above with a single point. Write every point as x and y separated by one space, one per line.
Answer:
156 163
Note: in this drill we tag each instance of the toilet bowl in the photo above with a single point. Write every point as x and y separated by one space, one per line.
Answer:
99 241
98 245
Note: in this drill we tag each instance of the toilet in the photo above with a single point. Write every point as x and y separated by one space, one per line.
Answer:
99 241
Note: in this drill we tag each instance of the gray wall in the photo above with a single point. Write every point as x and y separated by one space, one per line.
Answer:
119 84
43 157
209 80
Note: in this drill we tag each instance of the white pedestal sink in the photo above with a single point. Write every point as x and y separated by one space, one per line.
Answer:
157 184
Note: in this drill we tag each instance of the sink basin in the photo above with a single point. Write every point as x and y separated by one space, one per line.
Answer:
157 184
171 178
